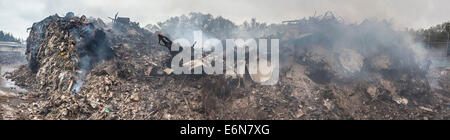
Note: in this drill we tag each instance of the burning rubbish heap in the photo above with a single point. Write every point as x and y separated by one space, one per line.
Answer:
80 63
368 70
82 68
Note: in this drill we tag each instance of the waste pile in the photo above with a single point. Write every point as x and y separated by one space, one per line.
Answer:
365 71
79 63
82 68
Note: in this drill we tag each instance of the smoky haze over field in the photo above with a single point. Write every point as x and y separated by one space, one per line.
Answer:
18 15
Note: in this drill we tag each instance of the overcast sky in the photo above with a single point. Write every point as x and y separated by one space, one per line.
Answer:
17 15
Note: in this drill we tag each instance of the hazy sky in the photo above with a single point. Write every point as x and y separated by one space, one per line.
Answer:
17 15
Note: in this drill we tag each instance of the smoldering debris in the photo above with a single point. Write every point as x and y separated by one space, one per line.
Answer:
329 70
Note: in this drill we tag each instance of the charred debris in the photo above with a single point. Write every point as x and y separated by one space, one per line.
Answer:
83 68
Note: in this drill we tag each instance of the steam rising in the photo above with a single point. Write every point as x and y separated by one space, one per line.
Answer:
332 49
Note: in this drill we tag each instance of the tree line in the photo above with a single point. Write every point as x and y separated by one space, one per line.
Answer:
438 33
223 28
8 37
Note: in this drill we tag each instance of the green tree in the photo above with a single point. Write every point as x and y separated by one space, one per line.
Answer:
8 37
183 26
